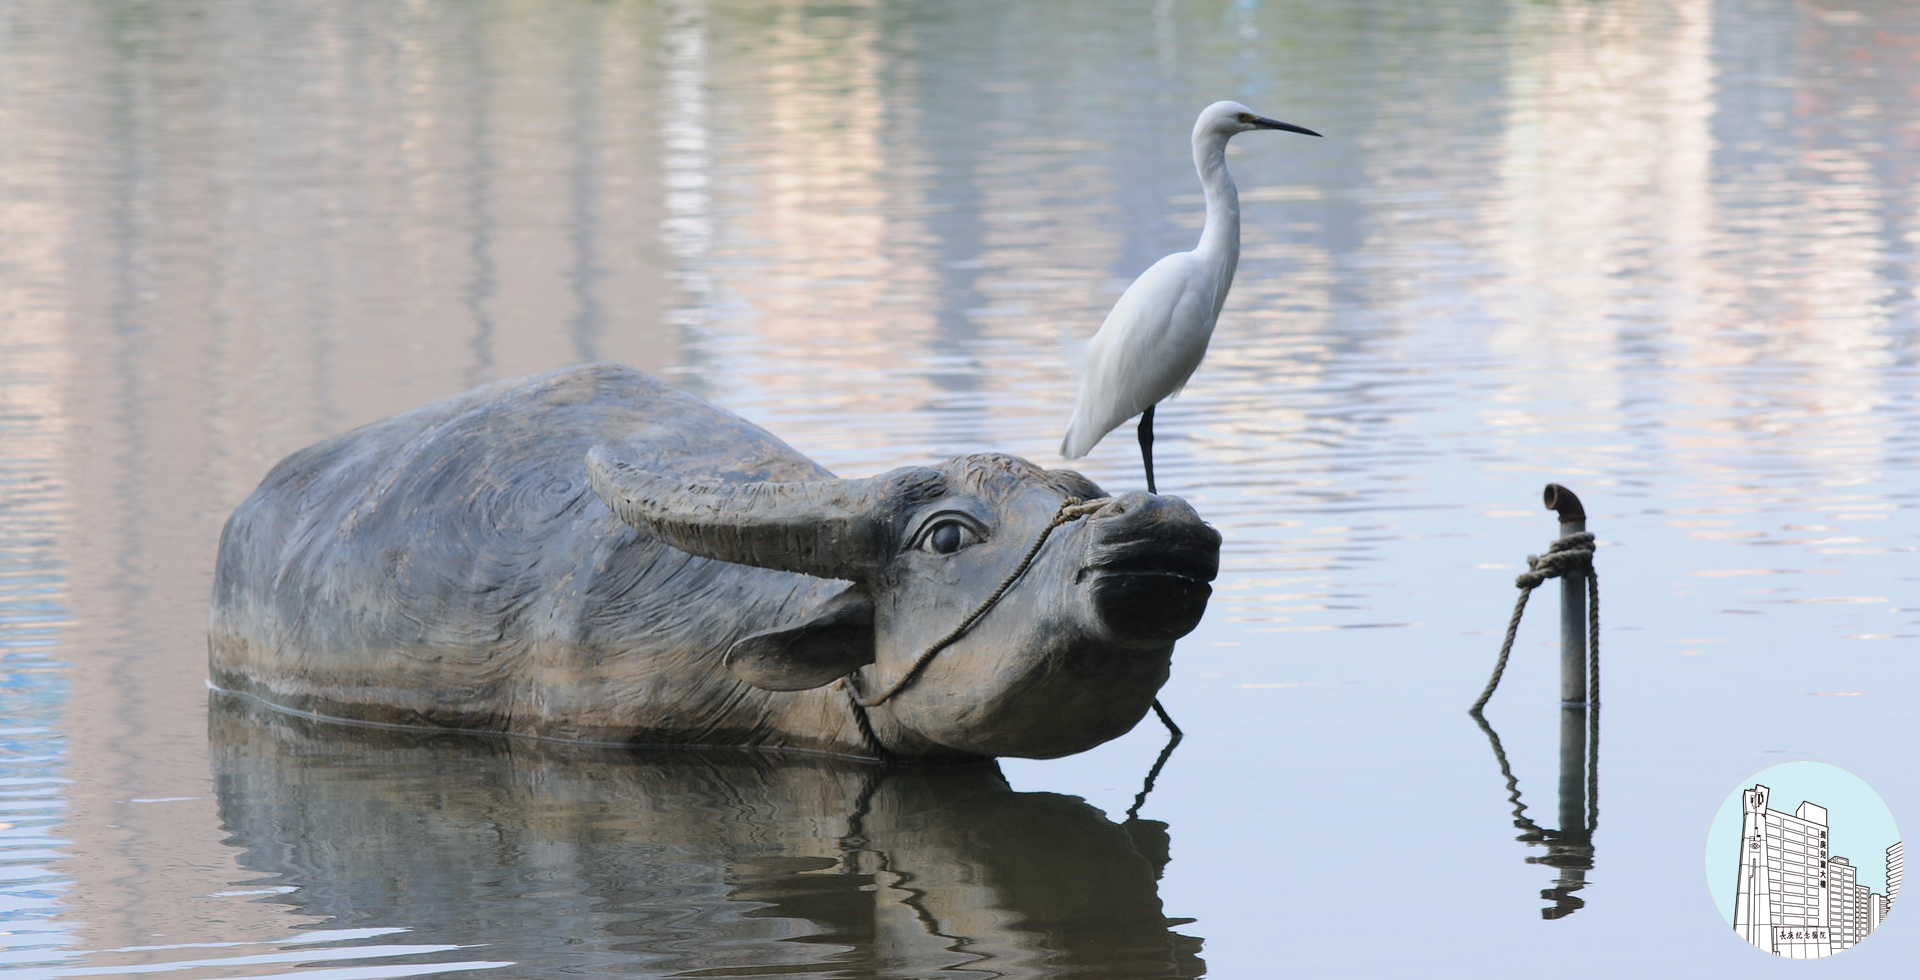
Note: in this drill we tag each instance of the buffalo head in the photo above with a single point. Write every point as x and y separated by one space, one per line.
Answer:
1070 656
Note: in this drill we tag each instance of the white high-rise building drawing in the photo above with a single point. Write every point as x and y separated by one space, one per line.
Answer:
1863 921
1841 903
1895 858
1780 904
1795 899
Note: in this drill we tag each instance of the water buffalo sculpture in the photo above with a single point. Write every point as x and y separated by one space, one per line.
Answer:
594 555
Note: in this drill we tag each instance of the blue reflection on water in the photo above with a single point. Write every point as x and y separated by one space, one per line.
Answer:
33 695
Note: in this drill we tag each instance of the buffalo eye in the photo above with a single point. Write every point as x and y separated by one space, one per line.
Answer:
948 537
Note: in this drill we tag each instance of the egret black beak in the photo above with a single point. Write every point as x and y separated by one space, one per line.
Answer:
1262 122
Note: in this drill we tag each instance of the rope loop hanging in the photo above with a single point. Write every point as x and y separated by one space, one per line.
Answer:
1573 553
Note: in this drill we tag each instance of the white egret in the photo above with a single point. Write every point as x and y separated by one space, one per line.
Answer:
1157 333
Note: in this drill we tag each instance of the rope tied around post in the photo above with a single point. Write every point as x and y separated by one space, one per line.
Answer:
1568 553
1571 553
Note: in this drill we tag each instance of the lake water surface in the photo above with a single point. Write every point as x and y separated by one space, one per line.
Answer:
1661 252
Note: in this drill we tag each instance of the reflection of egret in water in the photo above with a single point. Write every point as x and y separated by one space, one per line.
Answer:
564 858
1569 848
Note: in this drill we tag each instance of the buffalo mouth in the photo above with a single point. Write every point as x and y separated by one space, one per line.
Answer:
1197 563
1157 590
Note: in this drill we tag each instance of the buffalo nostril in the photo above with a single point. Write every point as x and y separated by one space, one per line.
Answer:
1126 504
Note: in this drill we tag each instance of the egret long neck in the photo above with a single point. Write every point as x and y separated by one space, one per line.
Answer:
1220 237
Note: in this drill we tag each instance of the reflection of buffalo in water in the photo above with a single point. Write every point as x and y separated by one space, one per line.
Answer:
565 859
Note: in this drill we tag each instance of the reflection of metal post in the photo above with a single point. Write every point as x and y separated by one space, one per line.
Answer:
1573 769
1573 605
1571 847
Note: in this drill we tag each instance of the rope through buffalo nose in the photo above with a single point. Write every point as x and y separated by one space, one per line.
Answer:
1071 509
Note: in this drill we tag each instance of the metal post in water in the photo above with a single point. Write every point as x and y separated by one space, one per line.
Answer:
1573 600
1574 831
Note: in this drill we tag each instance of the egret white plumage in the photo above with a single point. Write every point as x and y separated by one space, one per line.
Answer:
1157 333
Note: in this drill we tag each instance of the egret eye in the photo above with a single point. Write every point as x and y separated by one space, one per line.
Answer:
948 537
1246 117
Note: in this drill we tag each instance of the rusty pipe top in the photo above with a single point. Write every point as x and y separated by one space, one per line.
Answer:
1563 502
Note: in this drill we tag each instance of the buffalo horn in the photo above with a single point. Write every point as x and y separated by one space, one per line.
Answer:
817 527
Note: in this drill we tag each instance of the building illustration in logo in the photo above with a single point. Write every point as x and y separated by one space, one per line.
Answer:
1896 857
1794 899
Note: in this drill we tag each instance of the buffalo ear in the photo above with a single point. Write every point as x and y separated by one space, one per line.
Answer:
832 643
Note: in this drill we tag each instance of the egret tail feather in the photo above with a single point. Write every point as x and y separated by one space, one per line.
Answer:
1074 447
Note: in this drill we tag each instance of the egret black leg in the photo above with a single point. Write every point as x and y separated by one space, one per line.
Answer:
1146 444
